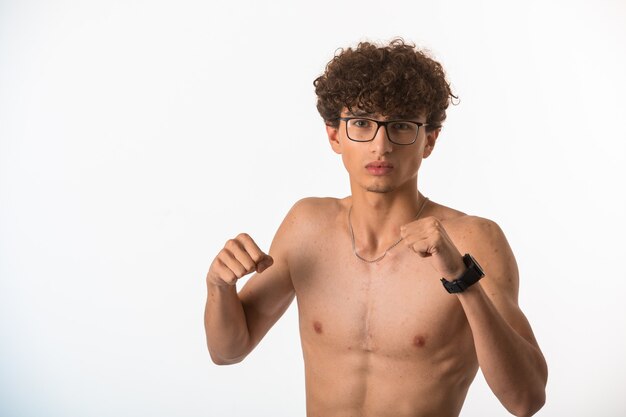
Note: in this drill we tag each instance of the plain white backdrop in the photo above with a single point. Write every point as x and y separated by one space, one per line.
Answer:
136 137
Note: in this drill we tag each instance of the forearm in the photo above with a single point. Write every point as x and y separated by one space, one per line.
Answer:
513 367
225 325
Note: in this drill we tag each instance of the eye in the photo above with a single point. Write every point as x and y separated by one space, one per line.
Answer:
401 126
363 123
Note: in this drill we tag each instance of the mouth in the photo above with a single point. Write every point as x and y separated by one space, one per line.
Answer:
379 165
379 170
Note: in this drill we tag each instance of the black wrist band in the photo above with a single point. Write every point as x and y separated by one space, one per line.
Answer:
468 278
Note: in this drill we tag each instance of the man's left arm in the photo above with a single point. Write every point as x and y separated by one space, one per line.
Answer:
507 351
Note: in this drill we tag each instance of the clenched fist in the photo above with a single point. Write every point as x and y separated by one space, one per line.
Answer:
240 256
428 238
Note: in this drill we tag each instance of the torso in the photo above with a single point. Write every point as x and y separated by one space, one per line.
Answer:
379 339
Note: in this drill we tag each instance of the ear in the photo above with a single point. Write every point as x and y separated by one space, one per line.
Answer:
431 139
333 138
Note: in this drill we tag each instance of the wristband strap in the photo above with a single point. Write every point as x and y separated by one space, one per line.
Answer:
468 278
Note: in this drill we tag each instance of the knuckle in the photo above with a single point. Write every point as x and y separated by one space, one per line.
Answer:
224 274
217 267
435 227
243 236
237 273
225 253
433 221
231 244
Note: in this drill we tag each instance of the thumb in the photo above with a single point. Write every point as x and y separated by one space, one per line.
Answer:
264 263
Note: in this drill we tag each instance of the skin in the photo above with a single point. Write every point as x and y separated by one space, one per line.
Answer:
382 338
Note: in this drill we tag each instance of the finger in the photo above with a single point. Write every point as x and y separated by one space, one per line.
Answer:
260 258
421 246
264 264
229 259
422 252
241 254
246 260
416 227
238 250
423 222
224 273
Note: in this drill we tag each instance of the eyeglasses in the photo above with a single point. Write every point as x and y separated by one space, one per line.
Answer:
400 132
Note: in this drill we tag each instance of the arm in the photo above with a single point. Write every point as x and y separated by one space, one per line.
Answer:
236 322
507 351
506 348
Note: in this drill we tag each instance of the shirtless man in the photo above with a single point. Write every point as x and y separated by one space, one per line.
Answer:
381 335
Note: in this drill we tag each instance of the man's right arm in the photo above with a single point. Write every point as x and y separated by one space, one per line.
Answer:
236 322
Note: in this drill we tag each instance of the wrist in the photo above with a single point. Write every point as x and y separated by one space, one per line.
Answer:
468 276
219 285
457 272
471 290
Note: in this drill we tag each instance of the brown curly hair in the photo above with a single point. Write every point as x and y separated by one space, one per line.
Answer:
394 80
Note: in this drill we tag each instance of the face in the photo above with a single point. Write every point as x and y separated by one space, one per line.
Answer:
404 160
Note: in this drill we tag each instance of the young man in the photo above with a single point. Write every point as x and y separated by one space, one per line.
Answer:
400 299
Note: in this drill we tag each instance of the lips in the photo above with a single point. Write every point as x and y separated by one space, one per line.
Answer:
379 164
379 168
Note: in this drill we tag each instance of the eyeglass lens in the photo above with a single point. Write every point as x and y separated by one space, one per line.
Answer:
401 132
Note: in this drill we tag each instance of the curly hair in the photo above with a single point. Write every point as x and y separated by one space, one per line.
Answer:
394 80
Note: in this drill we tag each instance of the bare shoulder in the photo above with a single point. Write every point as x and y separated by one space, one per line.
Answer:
475 230
307 217
312 210
316 203
304 212
467 229
482 235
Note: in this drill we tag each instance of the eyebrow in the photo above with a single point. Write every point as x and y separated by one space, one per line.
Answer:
361 113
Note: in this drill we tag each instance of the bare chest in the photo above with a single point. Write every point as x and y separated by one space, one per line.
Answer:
395 307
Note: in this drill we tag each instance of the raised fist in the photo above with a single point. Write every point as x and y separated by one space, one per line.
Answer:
240 256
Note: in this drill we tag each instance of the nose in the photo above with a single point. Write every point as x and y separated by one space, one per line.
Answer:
381 143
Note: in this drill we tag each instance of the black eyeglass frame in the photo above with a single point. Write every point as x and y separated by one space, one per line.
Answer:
380 123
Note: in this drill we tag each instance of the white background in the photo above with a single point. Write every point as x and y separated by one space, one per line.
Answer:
136 137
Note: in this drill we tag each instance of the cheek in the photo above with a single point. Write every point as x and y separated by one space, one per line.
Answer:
412 165
350 157
349 161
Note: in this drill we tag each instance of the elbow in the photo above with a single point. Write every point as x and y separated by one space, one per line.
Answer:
218 360
526 402
223 360
530 404
227 355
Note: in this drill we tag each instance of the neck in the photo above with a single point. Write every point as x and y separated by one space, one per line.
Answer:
376 218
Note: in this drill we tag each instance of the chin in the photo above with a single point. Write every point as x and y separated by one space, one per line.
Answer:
380 189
